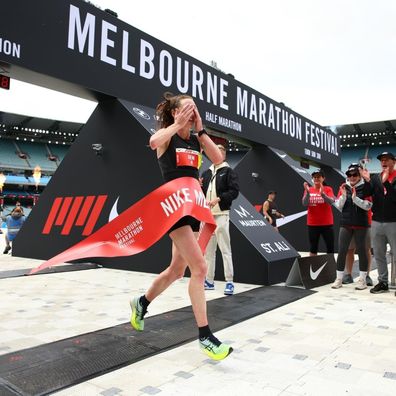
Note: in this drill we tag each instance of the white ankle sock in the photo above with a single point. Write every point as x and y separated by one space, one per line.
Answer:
363 275
340 274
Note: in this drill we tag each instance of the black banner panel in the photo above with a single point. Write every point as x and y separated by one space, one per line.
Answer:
74 47
271 244
268 256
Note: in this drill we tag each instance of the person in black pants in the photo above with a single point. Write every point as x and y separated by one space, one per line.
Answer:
354 205
319 199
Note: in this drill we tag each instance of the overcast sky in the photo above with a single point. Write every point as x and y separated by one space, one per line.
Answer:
332 61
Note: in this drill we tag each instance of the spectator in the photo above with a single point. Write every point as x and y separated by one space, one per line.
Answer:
14 223
270 209
220 185
383 227
354 202
319 199
350 258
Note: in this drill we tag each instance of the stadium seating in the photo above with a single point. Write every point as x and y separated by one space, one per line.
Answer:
37 154
58 150
9 157
349 155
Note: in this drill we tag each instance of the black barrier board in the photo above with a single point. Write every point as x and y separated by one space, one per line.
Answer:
270 243
312 271
74 47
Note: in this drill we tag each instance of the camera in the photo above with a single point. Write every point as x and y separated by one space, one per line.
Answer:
98 148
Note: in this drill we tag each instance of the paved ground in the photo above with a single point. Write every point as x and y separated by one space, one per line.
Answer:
334 342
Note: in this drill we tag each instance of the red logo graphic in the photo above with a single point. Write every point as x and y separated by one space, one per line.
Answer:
64 213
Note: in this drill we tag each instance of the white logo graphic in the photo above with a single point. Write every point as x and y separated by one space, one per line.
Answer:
290 218
315 274
298 169
141 113
281 155
114 212
243 212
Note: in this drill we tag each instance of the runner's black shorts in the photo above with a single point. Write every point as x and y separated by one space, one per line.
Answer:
186 220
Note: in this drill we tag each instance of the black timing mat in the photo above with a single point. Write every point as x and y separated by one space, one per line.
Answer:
50 367
50 270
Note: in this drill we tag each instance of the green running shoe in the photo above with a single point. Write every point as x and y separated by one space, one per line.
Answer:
215 352
137 321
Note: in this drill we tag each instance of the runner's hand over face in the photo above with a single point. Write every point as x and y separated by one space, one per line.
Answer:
183 116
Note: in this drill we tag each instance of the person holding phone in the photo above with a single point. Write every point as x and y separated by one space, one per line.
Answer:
354 202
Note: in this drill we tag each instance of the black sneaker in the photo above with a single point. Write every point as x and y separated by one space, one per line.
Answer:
7 249
346 279
381 287
369 281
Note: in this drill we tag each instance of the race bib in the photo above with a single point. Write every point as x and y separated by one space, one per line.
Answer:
187 157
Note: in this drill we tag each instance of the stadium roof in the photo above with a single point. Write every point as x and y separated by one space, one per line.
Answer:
360 134
368 133
11 119
12 125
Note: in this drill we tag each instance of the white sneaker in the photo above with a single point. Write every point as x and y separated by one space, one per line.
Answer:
361 284
337 284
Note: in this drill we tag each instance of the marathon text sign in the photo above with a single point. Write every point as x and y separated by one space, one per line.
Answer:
93 52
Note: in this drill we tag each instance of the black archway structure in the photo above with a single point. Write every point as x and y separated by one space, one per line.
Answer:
76 48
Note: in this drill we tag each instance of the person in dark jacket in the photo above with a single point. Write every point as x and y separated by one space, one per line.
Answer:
383 226
14 223
354 201
220 185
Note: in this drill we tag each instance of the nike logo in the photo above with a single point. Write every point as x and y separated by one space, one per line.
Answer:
287 219
114 212
315 274
299 170
281 155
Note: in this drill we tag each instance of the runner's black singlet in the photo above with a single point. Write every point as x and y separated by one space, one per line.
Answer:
173 165
168 160
272 209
